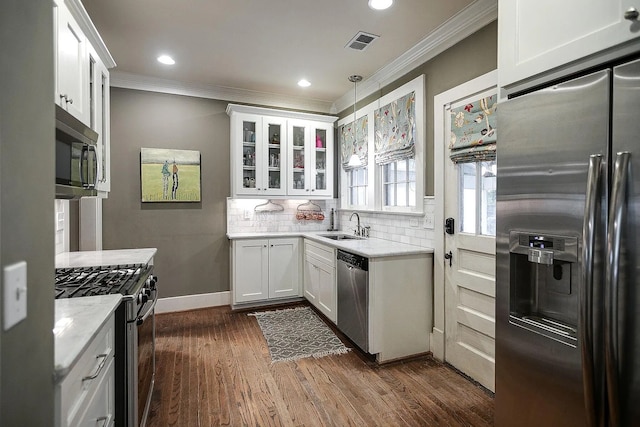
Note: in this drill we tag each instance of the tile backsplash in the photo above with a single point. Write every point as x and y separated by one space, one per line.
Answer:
395 227
242 218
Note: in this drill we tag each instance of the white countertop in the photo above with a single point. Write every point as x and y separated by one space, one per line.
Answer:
370 248
110 257
77 321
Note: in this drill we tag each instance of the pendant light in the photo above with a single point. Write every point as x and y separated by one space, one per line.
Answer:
354 160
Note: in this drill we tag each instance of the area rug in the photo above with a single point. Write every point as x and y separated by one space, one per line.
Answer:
296 333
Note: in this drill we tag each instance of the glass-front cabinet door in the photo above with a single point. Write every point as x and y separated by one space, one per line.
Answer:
261 157
248 134
321 161
297 182
274 161
310 159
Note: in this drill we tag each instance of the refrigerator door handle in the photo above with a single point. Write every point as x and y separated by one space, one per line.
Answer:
616 221
587 326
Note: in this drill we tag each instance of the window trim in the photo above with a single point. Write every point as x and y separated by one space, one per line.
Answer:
375 176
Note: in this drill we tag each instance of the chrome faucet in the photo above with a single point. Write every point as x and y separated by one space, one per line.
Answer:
358 230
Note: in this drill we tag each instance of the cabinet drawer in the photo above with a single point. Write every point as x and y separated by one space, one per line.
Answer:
321 252
99 408
84 378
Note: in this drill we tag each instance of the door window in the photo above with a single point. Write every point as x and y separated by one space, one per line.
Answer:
478 198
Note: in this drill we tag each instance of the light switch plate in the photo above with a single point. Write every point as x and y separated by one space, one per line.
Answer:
14 282
428 221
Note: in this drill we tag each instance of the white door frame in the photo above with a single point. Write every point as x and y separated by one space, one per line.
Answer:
441 103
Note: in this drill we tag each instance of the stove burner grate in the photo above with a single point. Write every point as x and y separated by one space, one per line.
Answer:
103 280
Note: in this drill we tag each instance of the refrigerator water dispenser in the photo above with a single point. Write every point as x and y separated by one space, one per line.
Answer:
543 284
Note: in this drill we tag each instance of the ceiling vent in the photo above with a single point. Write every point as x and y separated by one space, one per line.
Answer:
361 40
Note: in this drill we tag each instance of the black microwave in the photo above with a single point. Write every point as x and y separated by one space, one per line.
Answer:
76 157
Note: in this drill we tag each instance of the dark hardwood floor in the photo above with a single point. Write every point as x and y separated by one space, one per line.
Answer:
213 368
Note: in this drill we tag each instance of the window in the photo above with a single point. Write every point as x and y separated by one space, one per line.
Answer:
399 183
358 186
478 198
392 176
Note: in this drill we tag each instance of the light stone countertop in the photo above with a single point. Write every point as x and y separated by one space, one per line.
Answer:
77 322
109 257
370 248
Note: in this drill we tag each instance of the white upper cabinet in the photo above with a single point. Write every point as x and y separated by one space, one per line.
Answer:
536 36
280 153
82 64
71 72
310 148
260 154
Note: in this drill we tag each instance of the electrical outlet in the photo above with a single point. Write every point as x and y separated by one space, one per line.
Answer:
428 221
247 214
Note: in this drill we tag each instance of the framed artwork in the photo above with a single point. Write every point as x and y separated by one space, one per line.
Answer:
168 175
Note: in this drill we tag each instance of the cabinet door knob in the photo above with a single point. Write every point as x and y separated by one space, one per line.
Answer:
70 101
631 14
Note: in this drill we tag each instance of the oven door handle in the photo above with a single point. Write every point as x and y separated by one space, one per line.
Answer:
140 319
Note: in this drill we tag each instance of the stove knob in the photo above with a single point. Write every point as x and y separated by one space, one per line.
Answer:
142 298
151 281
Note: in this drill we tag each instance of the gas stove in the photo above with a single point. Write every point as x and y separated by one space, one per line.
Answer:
134 326
103 280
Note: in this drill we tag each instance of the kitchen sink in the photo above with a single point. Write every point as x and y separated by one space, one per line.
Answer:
340 237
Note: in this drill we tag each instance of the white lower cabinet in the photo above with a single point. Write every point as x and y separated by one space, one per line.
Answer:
320 278
264 269
86 395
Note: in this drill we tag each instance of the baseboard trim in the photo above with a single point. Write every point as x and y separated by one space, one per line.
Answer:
437 344
191 302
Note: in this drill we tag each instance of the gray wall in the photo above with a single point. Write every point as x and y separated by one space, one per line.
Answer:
26 199
472 57
193 251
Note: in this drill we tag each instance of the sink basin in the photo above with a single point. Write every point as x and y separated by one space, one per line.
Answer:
340 237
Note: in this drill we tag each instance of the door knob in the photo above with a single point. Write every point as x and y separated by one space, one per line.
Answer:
449 256
631 14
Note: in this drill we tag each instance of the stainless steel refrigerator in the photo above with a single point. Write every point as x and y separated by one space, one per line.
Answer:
568 261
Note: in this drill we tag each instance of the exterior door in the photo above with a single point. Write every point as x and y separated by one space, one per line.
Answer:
469 265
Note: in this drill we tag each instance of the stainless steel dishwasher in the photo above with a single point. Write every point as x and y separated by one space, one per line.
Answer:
353 297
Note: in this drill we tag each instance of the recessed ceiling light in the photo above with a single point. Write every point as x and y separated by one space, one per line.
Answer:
166 59
304 83
380 4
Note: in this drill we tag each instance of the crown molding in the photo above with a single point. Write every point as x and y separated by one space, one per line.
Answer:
477 15
154 84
